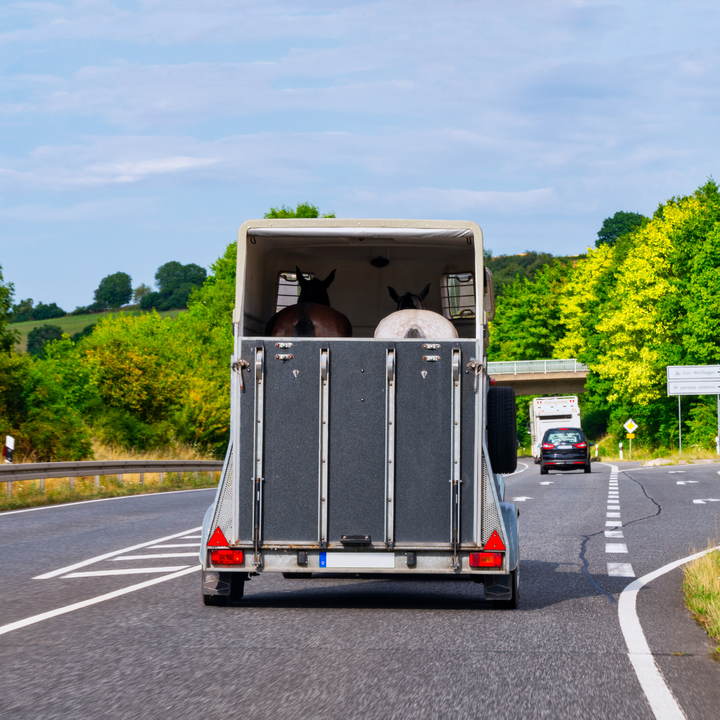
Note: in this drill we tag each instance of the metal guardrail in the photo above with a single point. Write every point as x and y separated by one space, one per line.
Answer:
522 367
40 471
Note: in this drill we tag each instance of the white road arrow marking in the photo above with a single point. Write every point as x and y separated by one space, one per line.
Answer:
521 499
547 482
706 500
687 482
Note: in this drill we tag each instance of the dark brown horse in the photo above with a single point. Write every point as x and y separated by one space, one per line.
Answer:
312 316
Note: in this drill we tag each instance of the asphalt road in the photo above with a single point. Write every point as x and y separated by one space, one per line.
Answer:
358 648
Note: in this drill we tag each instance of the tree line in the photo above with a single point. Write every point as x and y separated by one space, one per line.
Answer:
647 296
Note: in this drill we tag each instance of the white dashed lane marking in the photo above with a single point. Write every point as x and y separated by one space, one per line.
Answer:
613 520
153 556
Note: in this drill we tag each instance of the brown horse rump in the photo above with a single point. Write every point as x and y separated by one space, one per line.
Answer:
308 320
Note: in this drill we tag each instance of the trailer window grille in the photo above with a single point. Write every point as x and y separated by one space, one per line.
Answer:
457 292
288 289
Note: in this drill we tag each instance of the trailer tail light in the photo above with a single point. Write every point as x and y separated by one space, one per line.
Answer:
495 542
547 446
217 539
581 445
486 559
226 557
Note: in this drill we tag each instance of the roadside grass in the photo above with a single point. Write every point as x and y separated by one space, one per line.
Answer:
28 493
701 584
72 324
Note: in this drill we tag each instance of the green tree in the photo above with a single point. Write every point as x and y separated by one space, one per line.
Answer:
303 210
173 274
8 337
621 223
40 336
114 290
140 292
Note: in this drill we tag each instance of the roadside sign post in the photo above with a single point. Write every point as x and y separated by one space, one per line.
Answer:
630 427
693 380
621 456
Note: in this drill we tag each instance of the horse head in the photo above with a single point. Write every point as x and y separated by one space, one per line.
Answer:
409 301
314 290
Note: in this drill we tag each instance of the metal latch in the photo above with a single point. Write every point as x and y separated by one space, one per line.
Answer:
283 357
283 346
477 368
431 346
351 540
239 366
431 358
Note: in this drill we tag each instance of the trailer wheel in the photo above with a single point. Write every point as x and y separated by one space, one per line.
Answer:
215 600
543 470
502 429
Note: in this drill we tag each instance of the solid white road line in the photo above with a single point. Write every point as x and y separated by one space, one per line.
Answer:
620 570
126 571
612 514
658 694
105 556
152 556
517 472
92 601
87 502
614 533
173 545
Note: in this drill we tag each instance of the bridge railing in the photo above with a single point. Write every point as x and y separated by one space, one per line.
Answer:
522 367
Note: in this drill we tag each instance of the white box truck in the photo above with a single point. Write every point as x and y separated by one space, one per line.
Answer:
550 412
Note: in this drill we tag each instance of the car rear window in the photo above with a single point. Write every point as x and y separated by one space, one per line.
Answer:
563 436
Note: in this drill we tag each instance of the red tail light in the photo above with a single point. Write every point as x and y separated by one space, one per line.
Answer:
486 559
582 446
226 557
494 543
217 539
547 446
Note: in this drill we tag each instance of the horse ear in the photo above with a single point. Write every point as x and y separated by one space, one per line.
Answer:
298 274
393 294
424 293
327 282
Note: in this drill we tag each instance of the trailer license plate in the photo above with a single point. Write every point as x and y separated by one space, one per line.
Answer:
356 560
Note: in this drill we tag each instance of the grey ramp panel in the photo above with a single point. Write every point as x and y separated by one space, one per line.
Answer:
467 440
244 456
356 477
422 444
290 498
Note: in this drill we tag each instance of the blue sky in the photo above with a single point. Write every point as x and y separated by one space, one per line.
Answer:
138 132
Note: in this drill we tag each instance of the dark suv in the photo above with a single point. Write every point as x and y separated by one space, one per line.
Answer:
564 449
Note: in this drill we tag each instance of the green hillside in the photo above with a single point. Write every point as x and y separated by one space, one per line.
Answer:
72 324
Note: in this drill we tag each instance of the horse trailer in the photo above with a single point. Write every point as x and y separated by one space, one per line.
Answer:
379 453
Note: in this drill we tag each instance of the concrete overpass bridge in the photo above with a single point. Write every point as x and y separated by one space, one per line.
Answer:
540 377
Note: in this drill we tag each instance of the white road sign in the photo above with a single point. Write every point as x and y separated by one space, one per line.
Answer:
631 426
693 372
693 387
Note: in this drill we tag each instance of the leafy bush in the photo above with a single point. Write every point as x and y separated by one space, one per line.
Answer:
40 336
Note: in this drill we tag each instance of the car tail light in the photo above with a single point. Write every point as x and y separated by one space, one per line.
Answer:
495 542
486 559
226 557
547 446
581 445
217 539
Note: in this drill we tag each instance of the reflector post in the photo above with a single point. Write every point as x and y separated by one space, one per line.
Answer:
486 559
226 557
495 542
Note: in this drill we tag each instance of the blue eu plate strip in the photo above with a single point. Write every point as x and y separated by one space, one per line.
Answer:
323 559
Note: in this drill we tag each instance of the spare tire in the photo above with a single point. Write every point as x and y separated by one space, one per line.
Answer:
502 429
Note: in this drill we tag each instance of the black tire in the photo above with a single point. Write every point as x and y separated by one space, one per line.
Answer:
502 429
237 590
297 575
514 601
215 600
543 470
588 468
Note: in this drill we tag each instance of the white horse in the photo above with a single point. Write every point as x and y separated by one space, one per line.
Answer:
411 320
